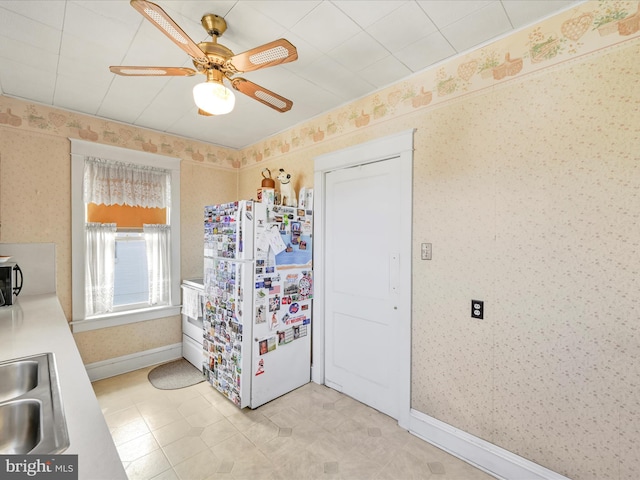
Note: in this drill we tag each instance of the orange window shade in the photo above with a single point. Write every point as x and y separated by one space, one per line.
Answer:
125 216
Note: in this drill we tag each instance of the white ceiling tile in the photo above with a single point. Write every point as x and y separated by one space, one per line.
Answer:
249 28
353 86
402 27
522 12
24 81
284 12
87 71
359 52
127 97
116 10
234 126
159 117
326 27
301 112
21 52
89 25
175 98
385 72
48 12
265 119
232 137
487 23
425 52
178 90
29 31
118 110
445 12
230 127
190 122
337 79
366 14
322 72
84 51
195 9
192 9
78 93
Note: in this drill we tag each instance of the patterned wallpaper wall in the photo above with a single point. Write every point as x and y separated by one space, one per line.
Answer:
526 182
530 194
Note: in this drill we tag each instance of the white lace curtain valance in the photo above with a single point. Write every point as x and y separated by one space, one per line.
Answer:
117 183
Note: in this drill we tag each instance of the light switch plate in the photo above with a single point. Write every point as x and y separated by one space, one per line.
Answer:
426 251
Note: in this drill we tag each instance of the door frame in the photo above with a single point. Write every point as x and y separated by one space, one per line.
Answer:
399 148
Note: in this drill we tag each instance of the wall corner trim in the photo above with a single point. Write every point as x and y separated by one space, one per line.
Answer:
484 455
135 361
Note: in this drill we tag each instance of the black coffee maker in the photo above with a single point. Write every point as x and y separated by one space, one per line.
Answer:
10 283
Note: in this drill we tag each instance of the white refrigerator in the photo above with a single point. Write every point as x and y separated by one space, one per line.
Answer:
258 288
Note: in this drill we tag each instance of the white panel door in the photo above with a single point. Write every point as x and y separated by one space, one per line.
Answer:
362 241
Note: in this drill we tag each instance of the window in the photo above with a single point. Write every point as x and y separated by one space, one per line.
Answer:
125 235
131 278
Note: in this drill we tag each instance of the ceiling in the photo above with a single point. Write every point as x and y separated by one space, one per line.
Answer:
58 52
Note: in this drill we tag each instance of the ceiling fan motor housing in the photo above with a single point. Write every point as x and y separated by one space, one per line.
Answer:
214 25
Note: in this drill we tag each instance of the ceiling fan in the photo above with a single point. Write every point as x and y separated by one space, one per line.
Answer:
215 61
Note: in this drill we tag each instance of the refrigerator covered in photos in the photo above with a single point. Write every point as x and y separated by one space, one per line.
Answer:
258 288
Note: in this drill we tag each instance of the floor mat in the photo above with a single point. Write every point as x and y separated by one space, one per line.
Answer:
174 375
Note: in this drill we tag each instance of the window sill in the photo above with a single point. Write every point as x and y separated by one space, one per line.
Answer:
124 318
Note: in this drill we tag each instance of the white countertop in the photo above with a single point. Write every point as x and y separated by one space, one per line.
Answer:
36 324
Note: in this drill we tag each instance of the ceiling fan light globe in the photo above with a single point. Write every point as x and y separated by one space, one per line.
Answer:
214 98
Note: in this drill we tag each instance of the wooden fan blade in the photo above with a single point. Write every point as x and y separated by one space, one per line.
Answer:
152 71
267 55
262 95
204 114
159 18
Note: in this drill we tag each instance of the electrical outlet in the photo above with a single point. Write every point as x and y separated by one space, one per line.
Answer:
426 251
477 309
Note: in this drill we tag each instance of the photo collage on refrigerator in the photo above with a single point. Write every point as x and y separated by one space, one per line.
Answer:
283 279
223 326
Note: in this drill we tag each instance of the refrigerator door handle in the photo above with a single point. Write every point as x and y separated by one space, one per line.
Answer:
394 273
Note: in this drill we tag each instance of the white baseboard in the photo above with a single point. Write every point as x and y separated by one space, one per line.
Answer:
488 457
135 361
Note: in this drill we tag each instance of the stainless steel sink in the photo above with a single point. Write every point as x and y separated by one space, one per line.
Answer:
21 426
31 412
17 378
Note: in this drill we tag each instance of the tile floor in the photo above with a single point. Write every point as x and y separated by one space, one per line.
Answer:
311 433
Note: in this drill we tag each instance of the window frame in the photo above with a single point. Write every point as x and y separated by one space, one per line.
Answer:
79 150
